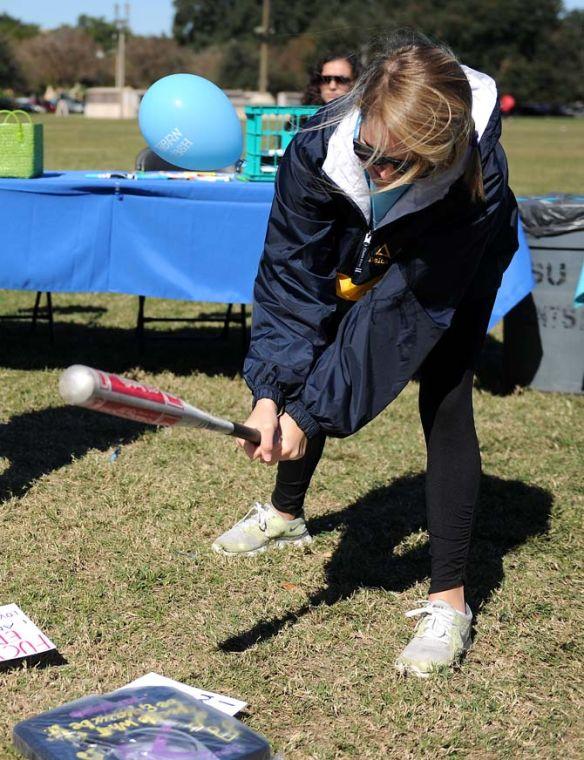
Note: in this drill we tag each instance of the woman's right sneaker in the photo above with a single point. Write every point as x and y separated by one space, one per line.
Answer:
262 527
441 638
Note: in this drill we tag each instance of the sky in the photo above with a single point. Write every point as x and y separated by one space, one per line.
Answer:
146 16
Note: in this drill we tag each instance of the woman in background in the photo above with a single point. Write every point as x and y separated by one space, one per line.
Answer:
333 75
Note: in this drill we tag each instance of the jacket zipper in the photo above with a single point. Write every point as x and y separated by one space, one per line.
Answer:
365 246
366 241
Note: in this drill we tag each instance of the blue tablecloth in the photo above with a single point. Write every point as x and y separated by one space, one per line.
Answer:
187 239
180 239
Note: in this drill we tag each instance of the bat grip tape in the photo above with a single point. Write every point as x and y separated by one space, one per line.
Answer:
247 433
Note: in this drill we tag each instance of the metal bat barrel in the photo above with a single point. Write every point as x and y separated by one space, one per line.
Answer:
122 397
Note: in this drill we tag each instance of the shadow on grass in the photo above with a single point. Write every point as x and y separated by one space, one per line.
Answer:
63 310
181 351
509 512
515 361
490 375
40 661
117 349
39 442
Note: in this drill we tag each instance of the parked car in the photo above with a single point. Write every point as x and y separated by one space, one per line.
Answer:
48 105
576 109
543 109
30 105
73 106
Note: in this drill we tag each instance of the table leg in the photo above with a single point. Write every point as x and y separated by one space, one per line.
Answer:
140 322
244 339
50 317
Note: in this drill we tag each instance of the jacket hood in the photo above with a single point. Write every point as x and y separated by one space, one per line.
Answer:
342 166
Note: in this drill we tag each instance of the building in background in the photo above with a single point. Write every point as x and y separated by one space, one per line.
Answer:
112 102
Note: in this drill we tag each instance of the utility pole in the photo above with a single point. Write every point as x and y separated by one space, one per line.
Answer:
264 32
122 24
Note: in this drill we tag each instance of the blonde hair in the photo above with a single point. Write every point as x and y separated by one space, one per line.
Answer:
416 94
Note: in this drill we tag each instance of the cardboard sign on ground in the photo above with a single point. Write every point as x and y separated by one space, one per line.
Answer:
19 636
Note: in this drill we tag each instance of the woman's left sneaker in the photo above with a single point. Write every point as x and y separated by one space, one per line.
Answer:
262 527
441 638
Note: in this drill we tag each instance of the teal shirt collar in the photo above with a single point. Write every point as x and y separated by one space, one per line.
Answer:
380 202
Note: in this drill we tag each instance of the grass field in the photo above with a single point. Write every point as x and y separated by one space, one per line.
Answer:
545 154
112 558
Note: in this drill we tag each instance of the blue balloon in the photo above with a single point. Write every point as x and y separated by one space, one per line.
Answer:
190 122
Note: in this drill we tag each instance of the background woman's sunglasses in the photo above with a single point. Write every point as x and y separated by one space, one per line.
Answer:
327 79
365 153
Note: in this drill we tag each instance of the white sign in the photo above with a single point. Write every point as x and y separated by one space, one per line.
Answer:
19 636
227 705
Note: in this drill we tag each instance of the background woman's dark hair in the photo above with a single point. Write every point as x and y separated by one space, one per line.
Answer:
311 95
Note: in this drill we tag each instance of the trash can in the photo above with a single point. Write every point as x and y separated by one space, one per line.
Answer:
544 333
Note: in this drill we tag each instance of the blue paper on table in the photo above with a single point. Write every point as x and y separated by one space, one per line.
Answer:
148 723
518 281
579 294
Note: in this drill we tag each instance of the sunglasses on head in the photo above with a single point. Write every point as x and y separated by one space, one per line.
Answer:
328 78
365 153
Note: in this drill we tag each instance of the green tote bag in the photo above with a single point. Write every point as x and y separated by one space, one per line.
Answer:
21 145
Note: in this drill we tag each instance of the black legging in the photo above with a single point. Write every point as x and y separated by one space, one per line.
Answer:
454 462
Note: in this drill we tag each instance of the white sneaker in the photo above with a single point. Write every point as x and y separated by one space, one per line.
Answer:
441 638
261 528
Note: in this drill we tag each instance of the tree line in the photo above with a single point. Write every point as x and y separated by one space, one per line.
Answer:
32 59
533 48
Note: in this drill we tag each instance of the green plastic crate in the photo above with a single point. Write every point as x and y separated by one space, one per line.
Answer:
269 131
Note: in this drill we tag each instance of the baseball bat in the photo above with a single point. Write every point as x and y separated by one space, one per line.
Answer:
122 397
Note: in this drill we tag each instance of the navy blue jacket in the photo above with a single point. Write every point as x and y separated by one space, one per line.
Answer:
345 313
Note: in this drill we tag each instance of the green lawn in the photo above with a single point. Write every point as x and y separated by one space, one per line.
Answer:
545 154
79 143
112 559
